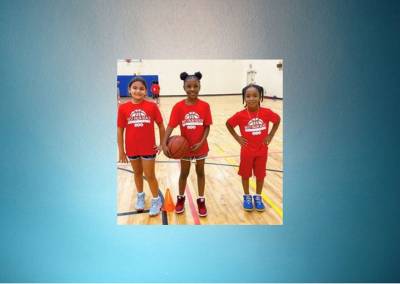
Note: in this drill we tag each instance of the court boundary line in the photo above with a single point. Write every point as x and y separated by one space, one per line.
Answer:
207 163
132 213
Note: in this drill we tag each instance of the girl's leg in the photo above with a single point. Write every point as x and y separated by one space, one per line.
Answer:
245 183
245 169
185 169
247 199
201 179
258 202
149 173
138 173
260 185
259 171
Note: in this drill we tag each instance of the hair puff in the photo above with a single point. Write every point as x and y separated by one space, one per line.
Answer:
198 75
184 75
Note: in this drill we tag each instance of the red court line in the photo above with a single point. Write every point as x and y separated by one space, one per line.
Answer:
192 207
191 203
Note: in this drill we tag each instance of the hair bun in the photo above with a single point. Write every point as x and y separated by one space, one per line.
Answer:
198 75
184 75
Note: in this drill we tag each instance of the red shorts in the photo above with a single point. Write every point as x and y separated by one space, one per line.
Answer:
253 162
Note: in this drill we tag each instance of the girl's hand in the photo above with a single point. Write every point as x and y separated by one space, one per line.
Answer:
242 141
157 148
165 150
268 140
122 158
195 147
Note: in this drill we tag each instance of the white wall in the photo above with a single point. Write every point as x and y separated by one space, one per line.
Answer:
219 76
267 76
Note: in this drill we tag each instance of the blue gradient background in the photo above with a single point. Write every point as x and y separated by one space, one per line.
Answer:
58 142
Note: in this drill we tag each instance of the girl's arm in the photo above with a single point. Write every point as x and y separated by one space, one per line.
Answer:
121 151
196 146
164 146
272 133
161 130
242 141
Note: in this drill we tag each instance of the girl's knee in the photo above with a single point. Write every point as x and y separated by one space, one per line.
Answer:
200 170
200 173
138 174
150 177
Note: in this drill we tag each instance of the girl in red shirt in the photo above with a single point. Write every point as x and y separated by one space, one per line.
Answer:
194 118
137 117
254 140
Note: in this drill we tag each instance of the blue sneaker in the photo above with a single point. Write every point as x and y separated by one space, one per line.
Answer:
247 202
140 201
156 205
258 203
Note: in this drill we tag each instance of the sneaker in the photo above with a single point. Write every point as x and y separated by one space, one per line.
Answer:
180 204
140 201
248 202
258 203
201 204
156 205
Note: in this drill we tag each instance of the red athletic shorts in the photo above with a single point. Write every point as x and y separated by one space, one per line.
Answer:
253 162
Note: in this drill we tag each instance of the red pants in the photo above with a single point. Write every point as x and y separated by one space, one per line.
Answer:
253 162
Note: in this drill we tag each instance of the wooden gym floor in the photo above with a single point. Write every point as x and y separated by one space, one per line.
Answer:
223 192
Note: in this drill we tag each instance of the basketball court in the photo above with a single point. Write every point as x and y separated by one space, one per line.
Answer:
223 192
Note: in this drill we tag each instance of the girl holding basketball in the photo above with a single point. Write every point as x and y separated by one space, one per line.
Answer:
137 117
194 118
253 123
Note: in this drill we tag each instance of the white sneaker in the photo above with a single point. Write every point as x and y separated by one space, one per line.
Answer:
140 201
156 205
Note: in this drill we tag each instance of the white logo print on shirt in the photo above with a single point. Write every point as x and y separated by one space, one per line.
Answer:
191 120
255 126
138 117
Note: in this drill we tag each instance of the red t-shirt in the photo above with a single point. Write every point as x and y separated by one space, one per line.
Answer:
138 119
192 120
155 89
254 127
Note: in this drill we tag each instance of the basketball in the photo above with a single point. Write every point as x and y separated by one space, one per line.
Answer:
178 147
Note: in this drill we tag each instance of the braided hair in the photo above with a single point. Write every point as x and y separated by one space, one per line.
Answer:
257 87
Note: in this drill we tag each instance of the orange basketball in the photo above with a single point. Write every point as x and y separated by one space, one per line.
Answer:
178 147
